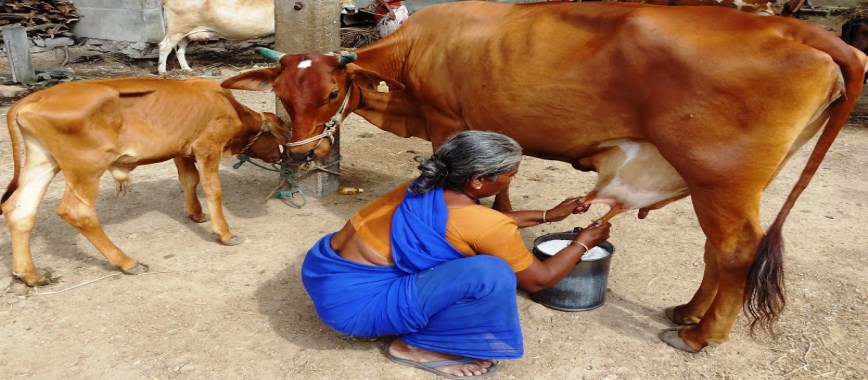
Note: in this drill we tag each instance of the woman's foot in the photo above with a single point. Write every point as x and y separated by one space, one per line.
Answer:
422 358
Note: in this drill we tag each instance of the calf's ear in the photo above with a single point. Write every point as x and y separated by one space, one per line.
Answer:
371 80
253 80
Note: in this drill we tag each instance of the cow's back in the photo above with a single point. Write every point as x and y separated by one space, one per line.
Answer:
569 68
141 120
232 20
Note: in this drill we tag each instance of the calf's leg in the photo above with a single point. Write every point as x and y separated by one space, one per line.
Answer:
21 209
188 175
78 208
214 193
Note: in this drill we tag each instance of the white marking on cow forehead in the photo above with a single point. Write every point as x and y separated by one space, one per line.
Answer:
304 64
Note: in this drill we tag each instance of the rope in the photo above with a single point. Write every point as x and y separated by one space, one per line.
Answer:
263 127
288 190
36 288
292 195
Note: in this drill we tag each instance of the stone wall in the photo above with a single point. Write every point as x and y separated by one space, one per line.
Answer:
120 20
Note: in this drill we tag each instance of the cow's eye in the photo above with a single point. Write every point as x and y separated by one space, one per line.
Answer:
333 95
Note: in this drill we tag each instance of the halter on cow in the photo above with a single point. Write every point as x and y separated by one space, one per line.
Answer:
680 85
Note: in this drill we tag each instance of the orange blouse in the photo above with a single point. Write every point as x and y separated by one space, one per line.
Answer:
471 230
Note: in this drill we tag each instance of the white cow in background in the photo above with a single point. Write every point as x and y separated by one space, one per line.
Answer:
202 20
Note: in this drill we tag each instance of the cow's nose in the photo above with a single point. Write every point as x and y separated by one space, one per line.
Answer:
303 157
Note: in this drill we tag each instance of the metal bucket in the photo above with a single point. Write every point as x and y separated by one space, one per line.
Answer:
584 288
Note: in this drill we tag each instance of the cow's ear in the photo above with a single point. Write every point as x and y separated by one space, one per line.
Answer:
371 80
253 80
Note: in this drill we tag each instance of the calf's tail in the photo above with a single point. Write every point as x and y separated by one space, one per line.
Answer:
765 296
15 139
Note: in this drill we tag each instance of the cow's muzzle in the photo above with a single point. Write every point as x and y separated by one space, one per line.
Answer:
310 155
302 157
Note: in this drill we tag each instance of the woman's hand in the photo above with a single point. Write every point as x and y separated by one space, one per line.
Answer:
566 208
594 234
542 274
569 206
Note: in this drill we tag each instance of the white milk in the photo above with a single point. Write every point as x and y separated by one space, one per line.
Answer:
552 247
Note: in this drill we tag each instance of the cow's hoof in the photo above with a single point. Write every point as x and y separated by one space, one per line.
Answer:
202 218
37 279
672 315
138 269
671 337
235 240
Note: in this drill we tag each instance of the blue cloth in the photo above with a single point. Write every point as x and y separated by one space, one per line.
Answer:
434 300
419 232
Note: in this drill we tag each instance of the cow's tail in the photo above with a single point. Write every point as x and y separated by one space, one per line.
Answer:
15 139
765 296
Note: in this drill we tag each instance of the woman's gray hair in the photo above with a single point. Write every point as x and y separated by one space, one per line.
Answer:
466 155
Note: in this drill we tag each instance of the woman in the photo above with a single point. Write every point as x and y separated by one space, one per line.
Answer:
429 264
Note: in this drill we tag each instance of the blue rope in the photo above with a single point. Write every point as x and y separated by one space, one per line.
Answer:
292 195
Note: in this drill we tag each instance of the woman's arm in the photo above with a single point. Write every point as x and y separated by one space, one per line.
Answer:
528 218
543 274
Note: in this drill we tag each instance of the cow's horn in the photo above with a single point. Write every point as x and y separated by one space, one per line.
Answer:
272 55
347 58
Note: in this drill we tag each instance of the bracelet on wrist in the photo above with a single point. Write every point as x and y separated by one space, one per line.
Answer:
580 243
544 217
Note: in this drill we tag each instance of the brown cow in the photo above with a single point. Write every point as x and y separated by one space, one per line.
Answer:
86 128
761 7
703 87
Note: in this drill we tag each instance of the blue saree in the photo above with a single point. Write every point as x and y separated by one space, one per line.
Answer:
434 297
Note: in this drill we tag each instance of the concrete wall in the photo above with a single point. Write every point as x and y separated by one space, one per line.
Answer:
142 20
414 5
120 20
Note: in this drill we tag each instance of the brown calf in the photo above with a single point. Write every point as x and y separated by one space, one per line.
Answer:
86 128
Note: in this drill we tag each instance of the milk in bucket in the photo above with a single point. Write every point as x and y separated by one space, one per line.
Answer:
551 247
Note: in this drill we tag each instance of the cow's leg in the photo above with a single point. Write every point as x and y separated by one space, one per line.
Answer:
181 53
691 312
214 193
188 175
21 209
166 45
78 208
730 219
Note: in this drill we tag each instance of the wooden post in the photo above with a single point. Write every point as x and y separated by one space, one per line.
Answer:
310 26
18 51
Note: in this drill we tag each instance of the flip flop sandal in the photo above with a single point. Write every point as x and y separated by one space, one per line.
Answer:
432 366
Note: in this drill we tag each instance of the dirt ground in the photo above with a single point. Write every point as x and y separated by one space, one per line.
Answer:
210 311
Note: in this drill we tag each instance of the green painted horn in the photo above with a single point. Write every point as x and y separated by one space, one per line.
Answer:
347 58
272 55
